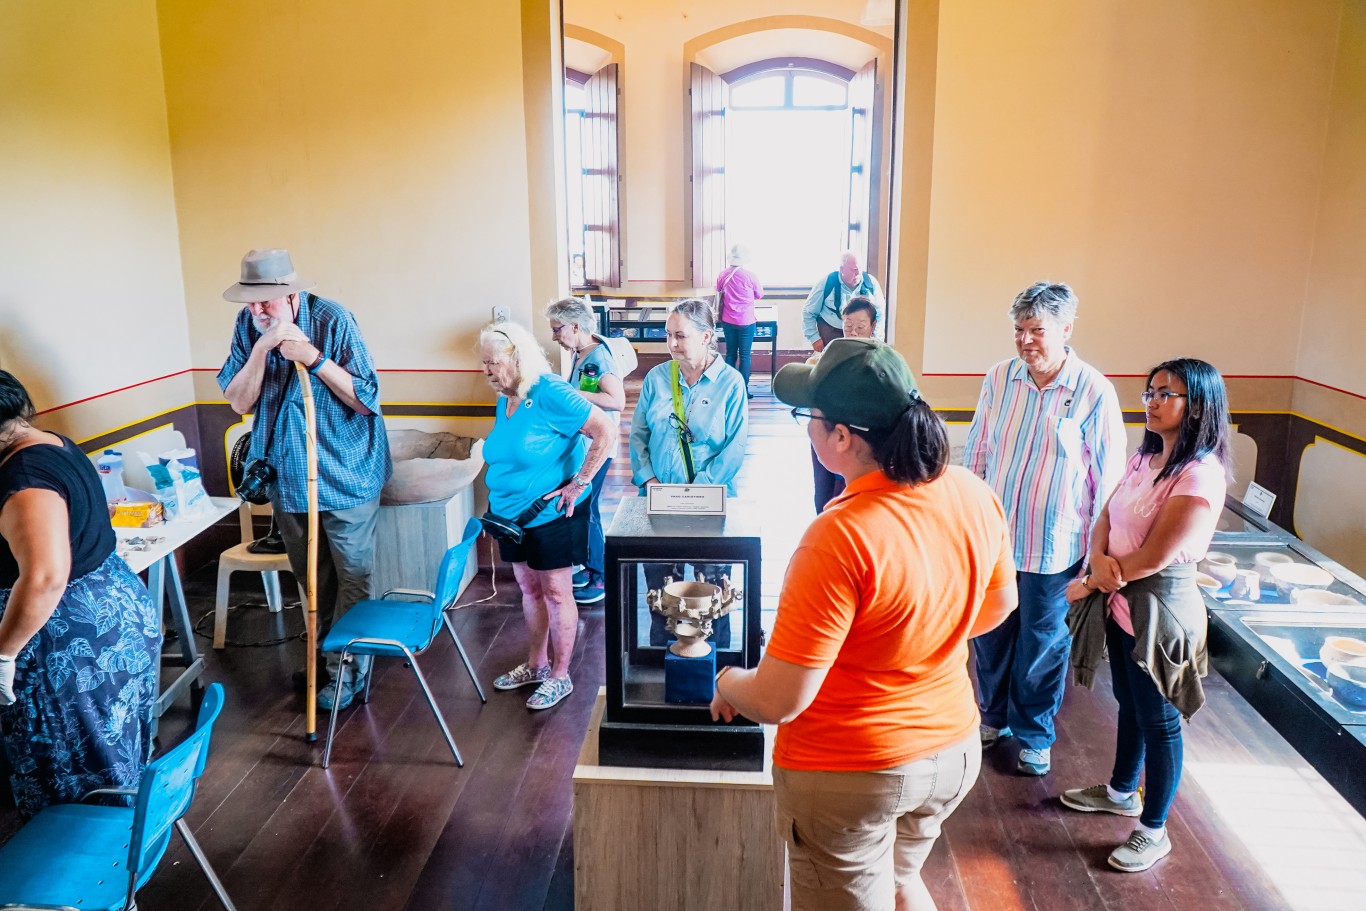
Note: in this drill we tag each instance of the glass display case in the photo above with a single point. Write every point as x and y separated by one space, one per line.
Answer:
1270 635
683 596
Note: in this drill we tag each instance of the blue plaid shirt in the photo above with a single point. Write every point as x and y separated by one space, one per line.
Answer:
353 449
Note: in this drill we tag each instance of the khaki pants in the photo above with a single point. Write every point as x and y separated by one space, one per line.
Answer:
346 557
852 837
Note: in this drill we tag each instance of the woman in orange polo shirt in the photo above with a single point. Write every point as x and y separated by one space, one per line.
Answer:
866 671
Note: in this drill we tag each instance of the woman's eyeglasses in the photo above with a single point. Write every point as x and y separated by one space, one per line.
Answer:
804 416
1161 395
681 428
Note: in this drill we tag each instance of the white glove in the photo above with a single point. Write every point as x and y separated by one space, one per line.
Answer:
6 680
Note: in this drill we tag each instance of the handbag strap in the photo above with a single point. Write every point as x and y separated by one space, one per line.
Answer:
681 429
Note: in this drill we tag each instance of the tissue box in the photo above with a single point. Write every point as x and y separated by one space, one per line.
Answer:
135 515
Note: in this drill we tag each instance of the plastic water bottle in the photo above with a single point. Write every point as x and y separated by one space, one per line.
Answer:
589 378
110 467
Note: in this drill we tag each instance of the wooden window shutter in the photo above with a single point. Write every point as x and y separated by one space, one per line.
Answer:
708 135
601 173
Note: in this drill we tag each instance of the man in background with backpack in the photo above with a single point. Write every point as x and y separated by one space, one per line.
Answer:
823 315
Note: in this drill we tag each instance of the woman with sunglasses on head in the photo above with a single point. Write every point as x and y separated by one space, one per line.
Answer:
593 371
1138 597
546 445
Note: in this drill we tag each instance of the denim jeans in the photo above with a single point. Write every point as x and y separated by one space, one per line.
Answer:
828 485
1148 735
739 343
1022 664
597 541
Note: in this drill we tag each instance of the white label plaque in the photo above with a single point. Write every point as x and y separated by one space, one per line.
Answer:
686 499
1259 499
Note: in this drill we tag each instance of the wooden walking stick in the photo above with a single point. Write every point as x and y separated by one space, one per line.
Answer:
311 584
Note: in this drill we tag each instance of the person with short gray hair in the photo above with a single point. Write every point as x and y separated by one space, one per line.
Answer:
1048 436
595 374
1055 300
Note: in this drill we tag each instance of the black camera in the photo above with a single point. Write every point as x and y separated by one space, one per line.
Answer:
258 478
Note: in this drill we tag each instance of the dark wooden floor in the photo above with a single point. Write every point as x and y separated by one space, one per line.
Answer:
393 824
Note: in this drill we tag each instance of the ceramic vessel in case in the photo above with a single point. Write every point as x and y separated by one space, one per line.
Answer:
1222 567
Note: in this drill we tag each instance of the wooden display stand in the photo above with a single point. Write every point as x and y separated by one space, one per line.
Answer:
673 839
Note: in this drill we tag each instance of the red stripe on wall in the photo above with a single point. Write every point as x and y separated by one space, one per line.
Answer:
112 392
1231 376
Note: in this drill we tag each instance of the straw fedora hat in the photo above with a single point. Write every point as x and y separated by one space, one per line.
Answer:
266 275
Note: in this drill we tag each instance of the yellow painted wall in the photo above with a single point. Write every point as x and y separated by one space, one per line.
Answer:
1163 157
1330 505
384 144
654 112
91 298
1334 325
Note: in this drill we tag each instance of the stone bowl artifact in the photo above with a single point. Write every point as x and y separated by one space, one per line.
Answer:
1348 682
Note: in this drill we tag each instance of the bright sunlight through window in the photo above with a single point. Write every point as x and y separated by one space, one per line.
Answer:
787 174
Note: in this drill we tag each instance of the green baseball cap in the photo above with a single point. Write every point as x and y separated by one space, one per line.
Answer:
857 381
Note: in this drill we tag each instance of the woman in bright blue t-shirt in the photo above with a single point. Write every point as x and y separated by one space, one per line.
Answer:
546 444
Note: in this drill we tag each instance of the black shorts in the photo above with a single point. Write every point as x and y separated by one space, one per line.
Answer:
557 544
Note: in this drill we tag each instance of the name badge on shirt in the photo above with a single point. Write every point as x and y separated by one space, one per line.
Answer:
686 499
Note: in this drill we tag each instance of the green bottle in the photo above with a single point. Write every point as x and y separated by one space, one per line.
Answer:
588 378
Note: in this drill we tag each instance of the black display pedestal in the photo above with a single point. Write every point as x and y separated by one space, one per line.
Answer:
639 728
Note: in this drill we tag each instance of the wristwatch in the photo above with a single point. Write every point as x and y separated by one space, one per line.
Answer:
581 482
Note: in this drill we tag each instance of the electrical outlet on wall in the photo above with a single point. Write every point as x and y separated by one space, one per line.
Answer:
501 314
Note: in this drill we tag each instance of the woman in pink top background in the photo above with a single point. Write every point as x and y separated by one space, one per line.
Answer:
739 289
1159 520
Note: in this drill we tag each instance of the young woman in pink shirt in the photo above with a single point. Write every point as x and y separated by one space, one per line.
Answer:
1140 583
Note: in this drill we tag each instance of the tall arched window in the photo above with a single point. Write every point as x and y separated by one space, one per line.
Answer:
782 163
787 169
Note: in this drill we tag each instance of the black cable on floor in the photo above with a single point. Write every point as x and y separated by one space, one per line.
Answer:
264 643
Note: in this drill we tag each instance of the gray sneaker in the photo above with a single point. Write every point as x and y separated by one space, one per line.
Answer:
1098 800
992 736
1140 852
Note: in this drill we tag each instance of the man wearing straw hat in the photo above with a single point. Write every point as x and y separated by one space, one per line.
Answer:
283 324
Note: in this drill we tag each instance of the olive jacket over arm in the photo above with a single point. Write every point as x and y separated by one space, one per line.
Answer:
1171 630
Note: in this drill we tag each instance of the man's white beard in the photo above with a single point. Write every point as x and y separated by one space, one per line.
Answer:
264 322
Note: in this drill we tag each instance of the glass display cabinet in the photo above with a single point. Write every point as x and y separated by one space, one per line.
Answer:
1280 638
683 596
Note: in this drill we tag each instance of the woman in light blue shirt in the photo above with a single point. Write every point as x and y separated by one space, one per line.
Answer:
701 439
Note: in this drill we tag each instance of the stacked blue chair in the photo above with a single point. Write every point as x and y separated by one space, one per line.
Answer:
405 629
85 856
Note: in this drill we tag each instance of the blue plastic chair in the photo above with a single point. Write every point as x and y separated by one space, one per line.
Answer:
405 629
85 856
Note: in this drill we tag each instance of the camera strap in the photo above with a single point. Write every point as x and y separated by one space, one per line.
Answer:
682 424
